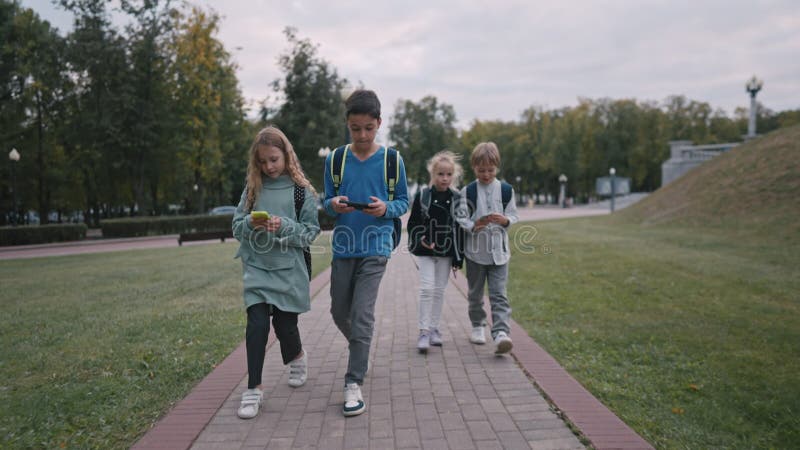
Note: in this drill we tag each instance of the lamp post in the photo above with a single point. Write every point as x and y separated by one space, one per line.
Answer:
196 196
753 86
613 172
562 195
13 156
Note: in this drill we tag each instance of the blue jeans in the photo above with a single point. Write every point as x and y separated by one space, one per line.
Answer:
354 290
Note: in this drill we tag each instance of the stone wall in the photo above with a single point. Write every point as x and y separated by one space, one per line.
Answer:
684 157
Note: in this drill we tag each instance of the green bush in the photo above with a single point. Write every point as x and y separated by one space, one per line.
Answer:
42 234
154 226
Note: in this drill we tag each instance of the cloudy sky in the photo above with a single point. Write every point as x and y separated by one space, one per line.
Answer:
493 59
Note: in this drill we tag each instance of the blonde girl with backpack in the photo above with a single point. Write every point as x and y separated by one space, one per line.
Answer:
436 239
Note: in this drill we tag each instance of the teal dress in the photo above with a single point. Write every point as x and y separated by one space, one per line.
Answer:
273 266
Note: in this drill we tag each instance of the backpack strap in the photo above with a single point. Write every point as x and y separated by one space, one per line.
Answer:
338 159
391 170
299 200
472 197
425 201
505 193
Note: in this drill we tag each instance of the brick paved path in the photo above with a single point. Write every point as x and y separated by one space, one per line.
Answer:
459 396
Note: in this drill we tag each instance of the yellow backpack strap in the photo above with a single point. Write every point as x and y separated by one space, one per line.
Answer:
338 160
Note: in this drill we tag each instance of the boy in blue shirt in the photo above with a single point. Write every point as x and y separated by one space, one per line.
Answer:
362 237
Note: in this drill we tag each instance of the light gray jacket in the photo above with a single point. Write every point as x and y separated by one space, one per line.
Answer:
490 245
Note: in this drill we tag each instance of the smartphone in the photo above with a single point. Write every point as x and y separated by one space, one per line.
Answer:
356 205
259 215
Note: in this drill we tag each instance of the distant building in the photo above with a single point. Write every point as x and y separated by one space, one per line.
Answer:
684 156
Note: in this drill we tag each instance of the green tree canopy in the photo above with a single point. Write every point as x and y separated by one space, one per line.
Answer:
421 129
312 112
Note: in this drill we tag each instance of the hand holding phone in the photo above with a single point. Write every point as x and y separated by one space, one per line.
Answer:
260 215
355 205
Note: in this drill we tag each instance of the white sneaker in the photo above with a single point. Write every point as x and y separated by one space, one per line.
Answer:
436 337
251 403
298 370
502 343
477 336
424 341
353 402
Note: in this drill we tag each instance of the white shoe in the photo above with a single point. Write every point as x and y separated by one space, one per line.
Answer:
298 370
251 403
502 343
477 336
424 341
353 402
436 337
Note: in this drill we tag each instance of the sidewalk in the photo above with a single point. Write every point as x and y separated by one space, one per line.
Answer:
96 244
459 396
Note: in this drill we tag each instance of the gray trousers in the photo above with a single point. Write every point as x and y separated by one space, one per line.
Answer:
497 276
354 290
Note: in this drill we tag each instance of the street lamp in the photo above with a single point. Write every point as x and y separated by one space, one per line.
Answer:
196 198
612 171
562 195
753 86
13 155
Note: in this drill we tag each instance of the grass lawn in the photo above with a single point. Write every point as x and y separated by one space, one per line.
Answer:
95 348
690 335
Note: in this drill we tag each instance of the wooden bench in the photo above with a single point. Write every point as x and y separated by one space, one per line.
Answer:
204 236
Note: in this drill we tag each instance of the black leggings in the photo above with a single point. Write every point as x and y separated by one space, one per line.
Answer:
285 324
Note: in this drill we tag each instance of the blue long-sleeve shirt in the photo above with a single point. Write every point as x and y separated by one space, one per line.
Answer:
357 234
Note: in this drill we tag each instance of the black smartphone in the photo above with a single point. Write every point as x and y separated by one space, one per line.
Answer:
356 205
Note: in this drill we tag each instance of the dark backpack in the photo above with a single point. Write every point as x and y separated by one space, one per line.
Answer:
472 195
391 172
299 200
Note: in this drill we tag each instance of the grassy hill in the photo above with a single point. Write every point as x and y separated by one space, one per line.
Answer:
752 189
681 312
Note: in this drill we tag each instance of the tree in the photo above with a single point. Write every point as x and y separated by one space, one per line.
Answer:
208 105
312 112
420 130
32 89
148 115
45 83
94 126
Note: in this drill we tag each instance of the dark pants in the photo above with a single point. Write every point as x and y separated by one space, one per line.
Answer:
285 324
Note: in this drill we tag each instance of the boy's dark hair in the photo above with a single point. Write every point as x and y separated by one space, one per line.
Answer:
363 101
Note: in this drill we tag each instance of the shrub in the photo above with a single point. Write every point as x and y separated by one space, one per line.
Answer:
154 226
42 234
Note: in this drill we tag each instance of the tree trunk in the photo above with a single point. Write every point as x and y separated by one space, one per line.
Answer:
44 205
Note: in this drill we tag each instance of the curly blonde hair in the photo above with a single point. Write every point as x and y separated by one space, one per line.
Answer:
271 136
447 157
